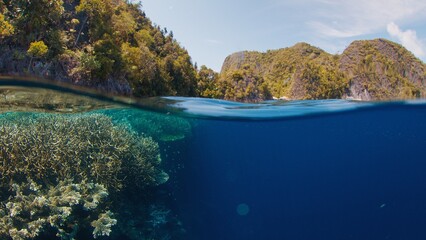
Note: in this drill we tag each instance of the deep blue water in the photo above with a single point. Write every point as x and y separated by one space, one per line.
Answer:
354 175
302 170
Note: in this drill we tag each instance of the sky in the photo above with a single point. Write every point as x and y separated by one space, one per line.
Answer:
212 30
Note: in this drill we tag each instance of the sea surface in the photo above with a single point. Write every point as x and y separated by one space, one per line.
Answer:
278 170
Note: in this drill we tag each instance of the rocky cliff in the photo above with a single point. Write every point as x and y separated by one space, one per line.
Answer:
367 70
110 45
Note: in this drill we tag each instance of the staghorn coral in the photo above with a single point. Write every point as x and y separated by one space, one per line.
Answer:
86 147
165 128
31 208
145 159
161 127
56 172
103 224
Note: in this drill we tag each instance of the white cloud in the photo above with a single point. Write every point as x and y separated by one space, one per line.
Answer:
407 38
350 18
332 32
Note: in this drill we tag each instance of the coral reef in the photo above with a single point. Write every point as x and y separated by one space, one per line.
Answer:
103 224
31 208
161 127
60 174
85 147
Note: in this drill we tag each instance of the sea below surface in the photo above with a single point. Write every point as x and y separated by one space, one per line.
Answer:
296 170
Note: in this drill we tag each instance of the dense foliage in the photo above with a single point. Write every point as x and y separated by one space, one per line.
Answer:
368 70
94 43
299 72
383 70
111 45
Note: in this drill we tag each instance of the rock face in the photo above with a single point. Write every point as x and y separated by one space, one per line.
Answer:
111 46
380 69
14 62
367 70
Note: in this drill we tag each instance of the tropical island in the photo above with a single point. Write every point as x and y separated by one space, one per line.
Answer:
76 167
114 47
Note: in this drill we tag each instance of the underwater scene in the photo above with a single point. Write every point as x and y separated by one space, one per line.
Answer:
75 164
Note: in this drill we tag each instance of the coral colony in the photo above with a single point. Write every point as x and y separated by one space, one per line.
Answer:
60 174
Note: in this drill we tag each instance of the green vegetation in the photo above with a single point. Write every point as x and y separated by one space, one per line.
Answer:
368 70
383 69
160 127
106 44
6 29
207 83
111 45
322 82
37 49
245 86
299 72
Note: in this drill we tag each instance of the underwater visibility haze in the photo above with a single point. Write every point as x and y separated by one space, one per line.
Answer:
78 165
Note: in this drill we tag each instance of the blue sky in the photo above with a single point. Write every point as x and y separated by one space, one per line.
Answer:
211 30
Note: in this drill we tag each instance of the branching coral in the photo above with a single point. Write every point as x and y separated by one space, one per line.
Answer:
81 147
103 224
161 127
31 208
54 168
145 157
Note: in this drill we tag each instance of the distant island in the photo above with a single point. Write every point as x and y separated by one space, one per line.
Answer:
112 46
367 70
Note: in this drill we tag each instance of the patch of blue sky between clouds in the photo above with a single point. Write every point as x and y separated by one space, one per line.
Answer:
211 30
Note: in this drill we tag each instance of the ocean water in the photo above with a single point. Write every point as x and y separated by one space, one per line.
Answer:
301 170
353 175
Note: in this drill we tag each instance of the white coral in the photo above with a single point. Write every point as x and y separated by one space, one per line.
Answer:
97 193
27 212
16 234
103 224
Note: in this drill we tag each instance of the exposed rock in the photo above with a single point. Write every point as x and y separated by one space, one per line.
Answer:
381 69
367 70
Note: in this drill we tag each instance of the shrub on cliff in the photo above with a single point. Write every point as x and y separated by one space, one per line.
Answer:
109 34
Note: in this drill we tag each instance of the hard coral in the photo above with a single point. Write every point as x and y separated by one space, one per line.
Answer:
82 147
103 224
56 172
161 127
31 208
